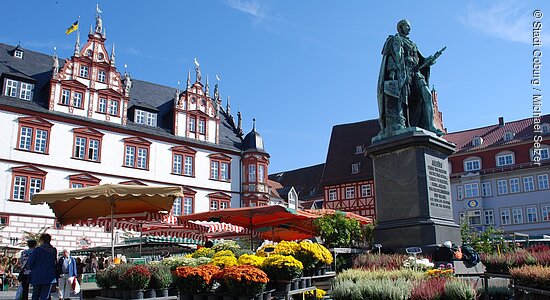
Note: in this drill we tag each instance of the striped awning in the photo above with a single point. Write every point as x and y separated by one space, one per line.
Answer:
191 239
225 230
142 221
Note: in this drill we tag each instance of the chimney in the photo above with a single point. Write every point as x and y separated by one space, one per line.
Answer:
500 121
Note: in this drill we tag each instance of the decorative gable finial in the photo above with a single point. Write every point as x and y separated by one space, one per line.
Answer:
91 29
228 107
113 56
77 45
188 79
239 123
198 71
177 96
55 64
254 124
216 90
207 88
98 21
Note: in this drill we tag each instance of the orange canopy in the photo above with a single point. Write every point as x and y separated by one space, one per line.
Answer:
292 224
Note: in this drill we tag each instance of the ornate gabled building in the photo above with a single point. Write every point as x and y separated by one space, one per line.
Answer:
80 122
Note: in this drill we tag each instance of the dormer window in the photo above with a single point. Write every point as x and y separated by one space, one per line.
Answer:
545 128
18 89
145 117
505 159
89 53
355 168
508 136
359 149
477 141
100 56
18 54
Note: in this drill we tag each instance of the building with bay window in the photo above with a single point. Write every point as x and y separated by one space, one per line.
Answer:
79 122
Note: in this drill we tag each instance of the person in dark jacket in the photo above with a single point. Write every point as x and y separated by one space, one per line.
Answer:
43 270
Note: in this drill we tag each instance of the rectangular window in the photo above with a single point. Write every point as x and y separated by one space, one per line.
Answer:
35 186
261 174
486 189
358 149
251 173
224 205
543 181
187 205
77 185
505 217
366 190
473 165
532 214
214 165
102 106
474 217
502 186
202 126
517 215
176 207
142 158
11 88
224 171
350 193
19 187
65 97
113 107
471 190
177 164
543 153
213 204
459 192
514 185
41 140
188 168
545 211
93 150
18 54
77 99
354 168
332 195
101 77
84 71
528 184
505 160
130 156
140 117
26 91
192 124
151 119
80 147
25 139
489 217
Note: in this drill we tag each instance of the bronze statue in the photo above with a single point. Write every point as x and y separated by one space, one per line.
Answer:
404 99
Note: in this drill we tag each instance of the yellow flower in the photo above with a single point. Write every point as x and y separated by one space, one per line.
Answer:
251 260
224 261
224 253
286 248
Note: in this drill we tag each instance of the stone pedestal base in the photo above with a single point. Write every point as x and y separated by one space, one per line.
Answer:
413 199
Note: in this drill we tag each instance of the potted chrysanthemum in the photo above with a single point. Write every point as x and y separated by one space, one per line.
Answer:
136 279
247 281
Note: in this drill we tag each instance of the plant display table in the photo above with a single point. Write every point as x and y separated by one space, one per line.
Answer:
288 295
158 298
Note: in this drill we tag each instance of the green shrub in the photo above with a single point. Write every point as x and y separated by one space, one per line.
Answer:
116 273
226 245
103 279
161 277
357 275
459 290
180 261
379 261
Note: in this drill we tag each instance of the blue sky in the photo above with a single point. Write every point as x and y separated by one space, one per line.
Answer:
301 67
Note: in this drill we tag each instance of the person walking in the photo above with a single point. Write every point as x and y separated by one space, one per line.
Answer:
42 266
25 271
66 268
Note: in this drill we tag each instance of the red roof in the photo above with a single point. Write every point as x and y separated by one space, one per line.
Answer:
493 135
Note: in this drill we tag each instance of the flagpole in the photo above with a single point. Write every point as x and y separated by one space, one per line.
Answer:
78 26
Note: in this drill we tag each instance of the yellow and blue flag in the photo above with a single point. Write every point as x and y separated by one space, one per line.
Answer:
73 27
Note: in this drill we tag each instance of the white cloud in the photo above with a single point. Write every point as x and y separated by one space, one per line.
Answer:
251 8
508 20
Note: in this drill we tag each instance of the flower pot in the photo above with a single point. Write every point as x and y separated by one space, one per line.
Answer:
296 284
323 271
150 294
172 292
162 293
125 295
199 297
213 297
104 292
259 297
283 287
117 293
308 281
186 297
267 295
245 298
136 294
226 297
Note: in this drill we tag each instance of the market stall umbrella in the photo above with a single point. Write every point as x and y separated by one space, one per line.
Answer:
218 230
73 205
326 211
256 217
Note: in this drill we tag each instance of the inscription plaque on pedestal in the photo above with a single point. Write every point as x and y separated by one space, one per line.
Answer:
439 187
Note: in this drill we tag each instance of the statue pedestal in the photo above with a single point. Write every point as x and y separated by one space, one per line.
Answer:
413 191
